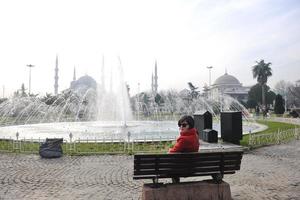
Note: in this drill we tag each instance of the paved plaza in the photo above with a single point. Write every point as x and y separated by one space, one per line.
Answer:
267 173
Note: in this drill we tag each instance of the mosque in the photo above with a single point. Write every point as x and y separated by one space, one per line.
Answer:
85 82
228 85
82 84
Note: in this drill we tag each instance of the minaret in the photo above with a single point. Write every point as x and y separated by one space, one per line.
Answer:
152 84
155 78
56 77
74 74
102 74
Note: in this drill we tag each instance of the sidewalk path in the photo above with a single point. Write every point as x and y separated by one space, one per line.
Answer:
267 173
295 121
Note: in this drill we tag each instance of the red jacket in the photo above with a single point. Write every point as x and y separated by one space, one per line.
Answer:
188 141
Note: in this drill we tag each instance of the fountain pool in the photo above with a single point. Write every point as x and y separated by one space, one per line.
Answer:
103 129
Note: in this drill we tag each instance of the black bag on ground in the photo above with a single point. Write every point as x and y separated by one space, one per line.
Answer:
51 148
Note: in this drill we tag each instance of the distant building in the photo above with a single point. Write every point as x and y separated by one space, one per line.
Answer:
229 85
83 83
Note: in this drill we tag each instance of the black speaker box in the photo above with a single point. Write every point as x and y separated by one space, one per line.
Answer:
210 136
231 127
203 120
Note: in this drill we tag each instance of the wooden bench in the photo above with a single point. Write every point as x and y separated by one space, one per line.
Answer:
215 164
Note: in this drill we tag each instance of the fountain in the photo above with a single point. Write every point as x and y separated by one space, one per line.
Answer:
105 112
113 102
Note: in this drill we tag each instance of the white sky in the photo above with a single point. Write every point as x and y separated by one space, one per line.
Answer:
184 36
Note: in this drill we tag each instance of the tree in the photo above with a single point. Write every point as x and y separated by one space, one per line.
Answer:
279 104
281 87
171 97
23 93
295 93
255 95
261 71
49 99
270 97
3 100
284 89
16 94
194 93
251 103
158 99
146 101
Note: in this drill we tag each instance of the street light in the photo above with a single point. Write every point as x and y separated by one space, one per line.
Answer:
138 102
209 68
30 66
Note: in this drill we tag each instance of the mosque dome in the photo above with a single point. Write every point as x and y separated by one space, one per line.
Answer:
227 79
84 82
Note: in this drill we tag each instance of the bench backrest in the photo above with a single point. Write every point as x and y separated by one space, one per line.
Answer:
186 164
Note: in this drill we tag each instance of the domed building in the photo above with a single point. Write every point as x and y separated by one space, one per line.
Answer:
83 83
229 85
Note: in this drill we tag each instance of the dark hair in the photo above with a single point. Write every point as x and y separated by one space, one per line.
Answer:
187 118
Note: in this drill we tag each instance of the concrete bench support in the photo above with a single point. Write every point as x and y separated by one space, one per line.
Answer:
202 190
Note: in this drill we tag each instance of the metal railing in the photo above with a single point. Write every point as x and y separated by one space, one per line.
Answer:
121 146
256 140
152 145
90 146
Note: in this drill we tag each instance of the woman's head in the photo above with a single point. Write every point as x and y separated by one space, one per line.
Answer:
186 121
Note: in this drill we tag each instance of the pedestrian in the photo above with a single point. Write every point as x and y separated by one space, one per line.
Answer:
257 111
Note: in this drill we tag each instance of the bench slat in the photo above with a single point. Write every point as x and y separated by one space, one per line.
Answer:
162 159
168 176
185 170
190 154
195 174
182 165
178 165
148 158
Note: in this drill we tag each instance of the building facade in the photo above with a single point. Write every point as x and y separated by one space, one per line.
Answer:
228 85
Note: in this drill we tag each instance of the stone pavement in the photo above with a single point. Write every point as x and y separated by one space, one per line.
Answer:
267 173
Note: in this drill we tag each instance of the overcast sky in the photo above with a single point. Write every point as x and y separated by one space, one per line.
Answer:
184 36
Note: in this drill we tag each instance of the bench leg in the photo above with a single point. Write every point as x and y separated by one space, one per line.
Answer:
217 177
155 181
176 180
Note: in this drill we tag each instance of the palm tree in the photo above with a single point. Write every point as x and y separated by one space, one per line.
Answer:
262 71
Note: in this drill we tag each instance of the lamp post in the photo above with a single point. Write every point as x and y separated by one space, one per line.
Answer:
209 68
30 66
285 98
138 102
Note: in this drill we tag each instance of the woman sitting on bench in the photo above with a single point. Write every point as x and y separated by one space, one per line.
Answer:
188 141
